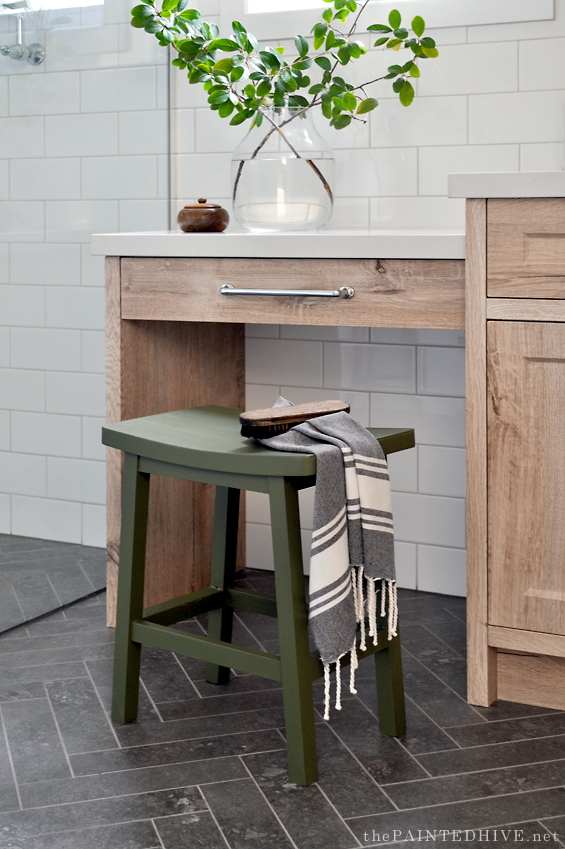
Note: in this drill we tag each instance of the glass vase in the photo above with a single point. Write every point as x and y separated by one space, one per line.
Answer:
282 174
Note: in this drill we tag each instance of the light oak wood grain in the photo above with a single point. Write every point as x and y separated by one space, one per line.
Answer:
388 293
113 414
532 680
526 428
526 240
514 309
481 676
526 641
153 367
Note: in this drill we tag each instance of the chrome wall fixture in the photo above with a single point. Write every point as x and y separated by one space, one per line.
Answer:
33 53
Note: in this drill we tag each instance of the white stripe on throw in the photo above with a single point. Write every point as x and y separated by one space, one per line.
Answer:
330 604
323 598
324 529
319 540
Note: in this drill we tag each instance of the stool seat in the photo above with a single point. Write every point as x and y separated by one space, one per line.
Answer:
209 438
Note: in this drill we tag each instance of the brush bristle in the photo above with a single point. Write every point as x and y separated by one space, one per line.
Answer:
266 431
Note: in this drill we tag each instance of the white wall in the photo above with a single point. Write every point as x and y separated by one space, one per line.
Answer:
493 101
83 148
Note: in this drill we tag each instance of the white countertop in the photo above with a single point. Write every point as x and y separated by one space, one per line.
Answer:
323 244
507 184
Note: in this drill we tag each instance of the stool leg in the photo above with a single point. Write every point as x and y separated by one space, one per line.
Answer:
293 633
224 548
131 578
390 689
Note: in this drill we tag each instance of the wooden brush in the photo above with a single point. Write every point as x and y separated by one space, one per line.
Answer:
262 424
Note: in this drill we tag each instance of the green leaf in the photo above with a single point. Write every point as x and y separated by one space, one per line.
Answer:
349 101
190 15
418 26
330 39
337 101
394 43
327 16
237 73
316 89
259 119
226 109
428 42
380 41
414 70
406 95
351 5
341 122
218 97
239 118
354 50
318 42
142 12
398 85
179 63
165 37
401 33
430 52
263 88
154 27
326 106
224 66
394 19
225 44
297 100
324 63
367 105
379 28
168 5
343 55
301 46
320 30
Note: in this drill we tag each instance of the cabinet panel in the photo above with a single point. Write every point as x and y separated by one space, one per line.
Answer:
526 248
526 475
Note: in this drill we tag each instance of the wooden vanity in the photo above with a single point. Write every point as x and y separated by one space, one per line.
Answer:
174 341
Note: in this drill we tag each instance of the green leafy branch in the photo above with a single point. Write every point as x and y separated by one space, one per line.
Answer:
243 85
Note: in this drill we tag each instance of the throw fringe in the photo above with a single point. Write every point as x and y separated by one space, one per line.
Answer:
387 588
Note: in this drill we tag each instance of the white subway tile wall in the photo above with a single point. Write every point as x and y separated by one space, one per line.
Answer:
82 142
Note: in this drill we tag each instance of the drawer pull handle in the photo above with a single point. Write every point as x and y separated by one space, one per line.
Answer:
345 292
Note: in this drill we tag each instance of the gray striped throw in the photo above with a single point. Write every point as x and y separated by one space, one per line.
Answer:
352 539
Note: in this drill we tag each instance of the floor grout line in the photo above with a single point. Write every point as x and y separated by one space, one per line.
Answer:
10 758
155 708
67 758
108 718
213 815
278 819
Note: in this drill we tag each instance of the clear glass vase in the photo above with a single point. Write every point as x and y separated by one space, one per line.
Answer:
282 174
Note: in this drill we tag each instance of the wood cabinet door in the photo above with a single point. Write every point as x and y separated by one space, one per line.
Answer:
526 475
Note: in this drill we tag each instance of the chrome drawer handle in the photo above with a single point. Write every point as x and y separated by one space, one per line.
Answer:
345 292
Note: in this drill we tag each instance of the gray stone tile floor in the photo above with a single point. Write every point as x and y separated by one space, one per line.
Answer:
38 576
204 767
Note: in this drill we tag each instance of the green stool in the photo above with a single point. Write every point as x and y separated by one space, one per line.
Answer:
204 444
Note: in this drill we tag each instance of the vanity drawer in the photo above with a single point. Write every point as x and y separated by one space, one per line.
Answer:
526 248
388 293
